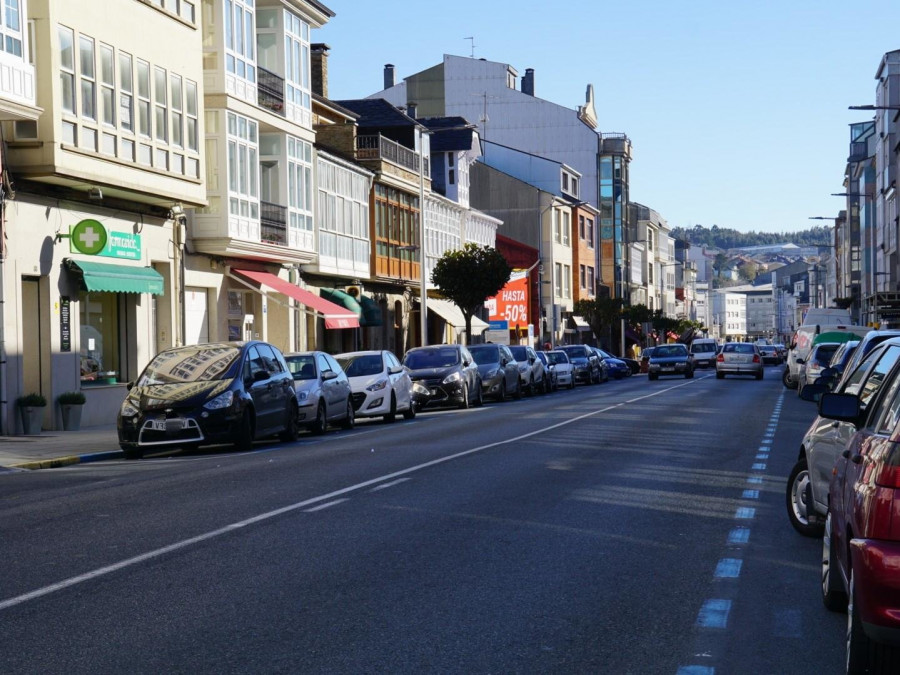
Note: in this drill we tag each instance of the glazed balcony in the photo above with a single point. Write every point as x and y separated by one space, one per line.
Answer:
270 91
273 223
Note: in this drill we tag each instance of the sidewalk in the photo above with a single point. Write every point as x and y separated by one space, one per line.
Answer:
59 448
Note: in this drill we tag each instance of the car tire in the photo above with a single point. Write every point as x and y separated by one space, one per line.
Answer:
759 375
689 375
572 383
786 379
834 597
349 420
464 404
320 424
479 395
133 453
798 501
720 375
530 391
410 413
391 415
243 441
292 427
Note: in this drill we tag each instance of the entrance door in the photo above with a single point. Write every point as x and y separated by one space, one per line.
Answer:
196 316
31 335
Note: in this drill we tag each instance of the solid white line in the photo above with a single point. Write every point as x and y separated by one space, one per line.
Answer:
327 505
150 555
391 484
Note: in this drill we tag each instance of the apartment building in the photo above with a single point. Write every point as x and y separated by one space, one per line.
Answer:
103 123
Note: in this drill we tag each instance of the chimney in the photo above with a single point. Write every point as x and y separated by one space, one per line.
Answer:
528 82
412 109
389 75
319 65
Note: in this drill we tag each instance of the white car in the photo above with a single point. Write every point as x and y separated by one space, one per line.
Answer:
380 386
565 371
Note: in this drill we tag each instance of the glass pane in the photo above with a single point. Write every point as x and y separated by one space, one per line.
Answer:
125 72
107 67
175 92
143 69
12 15
126 112
67 84
87 100
66 49
190 93
86 56
159 85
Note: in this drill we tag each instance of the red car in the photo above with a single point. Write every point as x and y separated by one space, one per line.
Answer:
861 545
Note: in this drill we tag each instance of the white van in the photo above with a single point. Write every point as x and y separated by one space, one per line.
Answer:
801 344
704 352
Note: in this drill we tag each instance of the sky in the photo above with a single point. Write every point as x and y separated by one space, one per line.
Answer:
737 110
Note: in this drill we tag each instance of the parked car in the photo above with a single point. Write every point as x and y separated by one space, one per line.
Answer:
866 344
812 366
615 367
448 371
499 371
807 489
531 369
562 368
646 353
739 358
230 392
672 359
838 363
585 362
322 389
704 352
550 380
861 542
633 364
379 385
769 355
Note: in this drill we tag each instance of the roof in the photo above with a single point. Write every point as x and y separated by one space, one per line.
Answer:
450 133
376 112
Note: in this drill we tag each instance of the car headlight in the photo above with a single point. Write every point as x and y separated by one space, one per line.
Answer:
378 386
420 389
129 409
302 396
453 377
224 400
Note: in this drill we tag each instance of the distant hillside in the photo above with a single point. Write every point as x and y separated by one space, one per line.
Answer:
725 238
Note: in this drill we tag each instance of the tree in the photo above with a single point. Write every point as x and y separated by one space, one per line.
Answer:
469 276
600 313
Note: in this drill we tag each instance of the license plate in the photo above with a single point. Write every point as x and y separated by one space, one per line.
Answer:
668 370
158 425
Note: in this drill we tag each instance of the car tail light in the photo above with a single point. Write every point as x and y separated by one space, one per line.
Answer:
720 358
756 358
887 468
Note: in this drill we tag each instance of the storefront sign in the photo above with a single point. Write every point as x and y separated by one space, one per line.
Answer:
123 245
91 238
65 325
511 303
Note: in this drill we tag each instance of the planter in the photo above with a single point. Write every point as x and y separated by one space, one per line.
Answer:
71 416
32 419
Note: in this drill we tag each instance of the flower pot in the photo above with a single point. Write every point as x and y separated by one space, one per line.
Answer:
32 419
71 416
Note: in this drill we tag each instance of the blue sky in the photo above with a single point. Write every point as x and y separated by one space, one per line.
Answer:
737 110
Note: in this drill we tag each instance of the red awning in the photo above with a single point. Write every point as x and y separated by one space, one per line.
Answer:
335 316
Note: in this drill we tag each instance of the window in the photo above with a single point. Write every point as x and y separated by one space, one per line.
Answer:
107 86
143 78
126 93
583 276
11 28
297 65
567 281
99 339
67 68
177 110
243 167
159 90
191 130
581 227
87 80
300 184
589 235
556 225
240 38
590 280
558 280
566 227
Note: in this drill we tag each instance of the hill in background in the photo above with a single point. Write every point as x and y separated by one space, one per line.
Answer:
726 238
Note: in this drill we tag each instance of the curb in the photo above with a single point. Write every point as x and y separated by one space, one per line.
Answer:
68 460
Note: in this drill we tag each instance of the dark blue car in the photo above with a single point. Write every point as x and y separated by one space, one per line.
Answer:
617 368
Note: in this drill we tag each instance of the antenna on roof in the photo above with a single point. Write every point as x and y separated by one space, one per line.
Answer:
472 44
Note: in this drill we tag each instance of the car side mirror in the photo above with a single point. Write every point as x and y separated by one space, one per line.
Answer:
129 385
813 392
395 370
830 373
260 375
329 375
840 407
800 361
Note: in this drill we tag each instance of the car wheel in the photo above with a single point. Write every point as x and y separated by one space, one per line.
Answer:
479 395
689 374
833 594
798 499
530 391
786 379
321 422
292 425
392 413
349 420
720 375
572 383
410 413
759 375
464 404
652 376
132 453
243 441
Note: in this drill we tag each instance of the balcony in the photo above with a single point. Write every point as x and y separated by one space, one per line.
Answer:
273 223
270 91
381 148
859 150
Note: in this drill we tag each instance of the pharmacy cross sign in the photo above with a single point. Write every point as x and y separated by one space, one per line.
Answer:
88 237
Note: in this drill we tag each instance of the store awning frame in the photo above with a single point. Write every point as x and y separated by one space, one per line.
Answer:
579 322
335 316
99 277
453 315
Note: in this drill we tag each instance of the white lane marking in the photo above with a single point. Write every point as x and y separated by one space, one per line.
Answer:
714 614
327 505
728 568
743 513
739 535
391 484
156 553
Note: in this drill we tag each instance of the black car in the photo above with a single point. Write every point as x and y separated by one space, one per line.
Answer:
588 368
671 359
230 392
448 371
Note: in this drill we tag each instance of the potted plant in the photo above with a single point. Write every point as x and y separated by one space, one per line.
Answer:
31 409
70 403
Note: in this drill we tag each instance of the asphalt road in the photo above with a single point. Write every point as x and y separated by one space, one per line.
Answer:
631 527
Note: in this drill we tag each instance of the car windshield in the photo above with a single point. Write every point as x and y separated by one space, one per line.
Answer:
669 350
362 364
575 351
196 363
302 366
485 355
739 348
431 358
519 353
703 348
557 357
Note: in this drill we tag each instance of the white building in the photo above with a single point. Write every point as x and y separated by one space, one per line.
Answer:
729 312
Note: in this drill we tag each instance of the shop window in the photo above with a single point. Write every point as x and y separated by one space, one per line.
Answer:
99 340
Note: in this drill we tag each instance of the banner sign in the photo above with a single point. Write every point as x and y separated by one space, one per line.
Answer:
511 303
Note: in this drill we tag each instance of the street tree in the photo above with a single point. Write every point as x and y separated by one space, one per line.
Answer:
469 276
602 314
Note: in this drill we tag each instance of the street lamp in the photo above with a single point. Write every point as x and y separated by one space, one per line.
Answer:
873 107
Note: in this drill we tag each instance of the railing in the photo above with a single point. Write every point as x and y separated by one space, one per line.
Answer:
379 147
859 150
273 223
270 91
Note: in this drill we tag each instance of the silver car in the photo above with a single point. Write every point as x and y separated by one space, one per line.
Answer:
499 371
531 369
826 439
323 390
739 358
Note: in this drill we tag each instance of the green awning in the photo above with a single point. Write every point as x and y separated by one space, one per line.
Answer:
110 278
371 312
345 300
